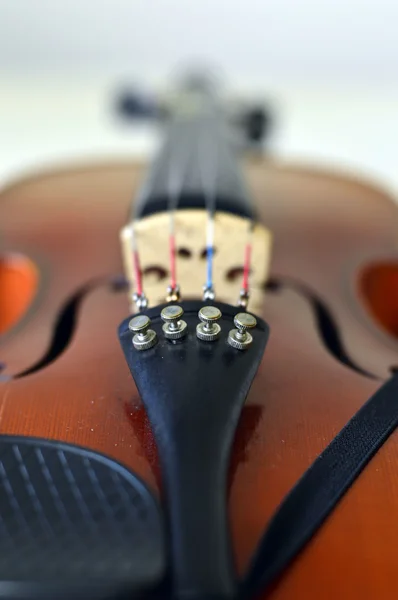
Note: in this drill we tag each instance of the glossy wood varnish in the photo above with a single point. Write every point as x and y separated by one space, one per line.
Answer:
324 226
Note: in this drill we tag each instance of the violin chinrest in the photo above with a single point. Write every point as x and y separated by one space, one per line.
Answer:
74 523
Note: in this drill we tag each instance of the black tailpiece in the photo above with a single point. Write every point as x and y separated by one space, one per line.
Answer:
193 392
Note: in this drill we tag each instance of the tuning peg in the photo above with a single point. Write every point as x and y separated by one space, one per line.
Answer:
144 337
174 327
208 330
240 338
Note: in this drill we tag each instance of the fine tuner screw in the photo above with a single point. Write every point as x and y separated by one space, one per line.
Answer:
144 337
174 327
208 330
240 338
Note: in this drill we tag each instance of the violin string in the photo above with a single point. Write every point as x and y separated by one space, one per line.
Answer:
246 268
208 165
245 289
174 189
230 165
136 265
172 254
177 167
138 202
146 185
209 251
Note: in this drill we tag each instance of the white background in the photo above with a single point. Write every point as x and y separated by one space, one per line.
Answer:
338 40
329 67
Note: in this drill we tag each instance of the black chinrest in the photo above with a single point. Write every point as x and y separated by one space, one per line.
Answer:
74 524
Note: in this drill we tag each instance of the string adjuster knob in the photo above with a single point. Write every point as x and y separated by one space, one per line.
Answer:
240 338
174 327
144 337
208 330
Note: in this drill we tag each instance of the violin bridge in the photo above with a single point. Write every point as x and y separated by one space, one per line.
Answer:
230 236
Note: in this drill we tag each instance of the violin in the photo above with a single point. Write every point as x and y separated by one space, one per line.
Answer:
179 344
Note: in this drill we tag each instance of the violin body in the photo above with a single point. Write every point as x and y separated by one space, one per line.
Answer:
65 377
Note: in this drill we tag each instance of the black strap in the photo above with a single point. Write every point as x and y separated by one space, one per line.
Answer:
322 486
